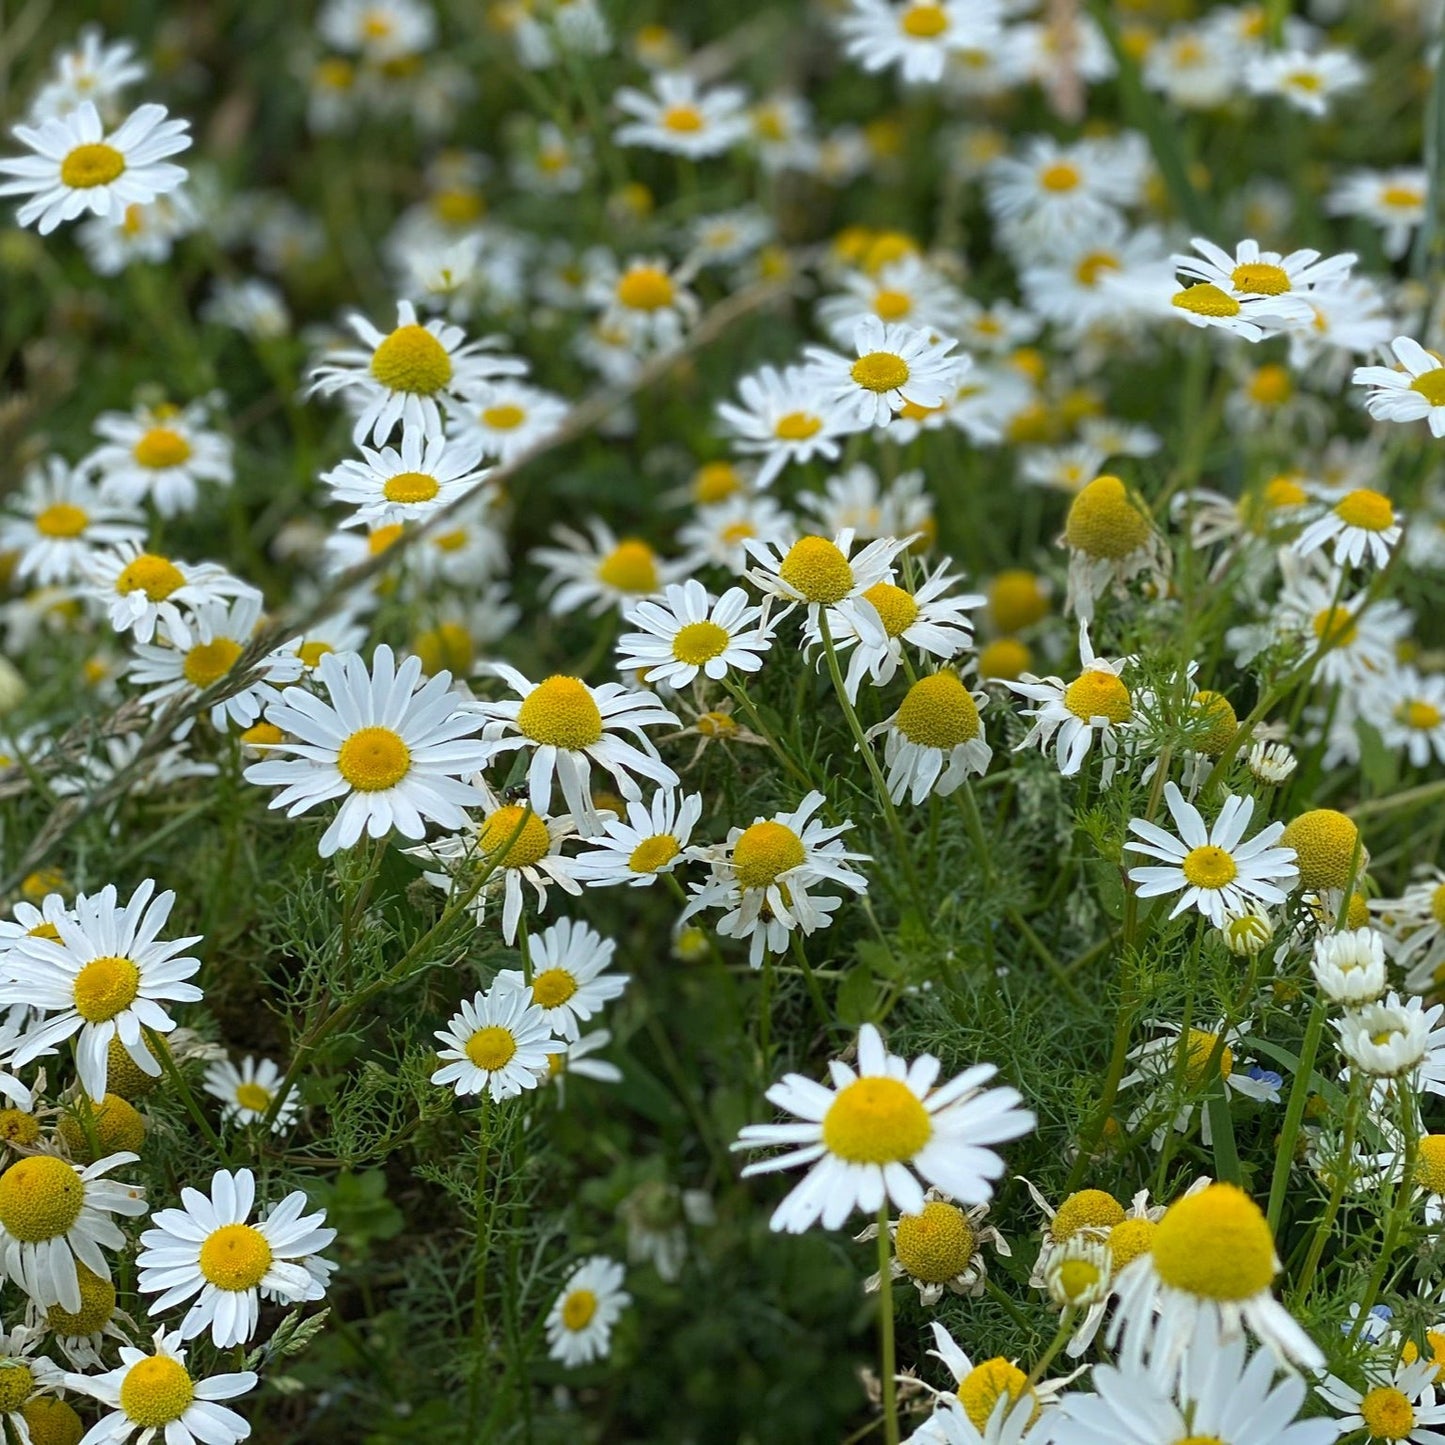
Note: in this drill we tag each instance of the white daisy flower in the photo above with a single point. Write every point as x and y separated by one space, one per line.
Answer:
202 649
680 119
1207 1273
1402 1406
1212 869
893 365
394 747
160 454
784 417
935 739
53 1215
139 590
1361 524
1254 272
690 633
569 726
247 1093
1387 1038
1413 391
379 30
59 519
856 498
93 69
409 375
210 1249
600 571
1355 635
570 982
763 876
511 419
1309 80
1414 926
1086 284
405 483
647 303
866 1136
154 1392
1409 713
141 233
652 841
105 976
28 1386
498 1044
579 1324
918 36
717 536
1394 200
1349 966
908 290
77 167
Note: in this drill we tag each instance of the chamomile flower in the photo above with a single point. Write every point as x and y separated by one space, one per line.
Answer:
1409 714
1212 869
1309 80
510 419
648 304
869 1136
139 590
210 1249
160 455
393 748
857 499
380 30
1111 540
78 166
917 37
497 1044
55 1218
1253 272
717 536
570 982
1387 1038
405 483
58 521
939 1249
893 365
1412 391
680 119
568 727
784 416
580 1322
248 1091
1053 193
651 842
1350 966
600 569
1354 635
156 1392
1414 925
409 375
764 874
1209 1268
93 69
1362 524
1402 1406
935 739
688 633
908 291
1394 200
140 233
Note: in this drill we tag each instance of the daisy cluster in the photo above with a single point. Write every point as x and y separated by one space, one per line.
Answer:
595 612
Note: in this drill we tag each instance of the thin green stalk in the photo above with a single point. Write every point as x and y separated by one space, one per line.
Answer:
1061 1335
161 1052
479 1263
1294 1113
1326 1221
885 1327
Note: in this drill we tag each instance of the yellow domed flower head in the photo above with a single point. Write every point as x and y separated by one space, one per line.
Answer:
1005 659
1111 539
1017 599
939 1248
116 1124
936 738
1328 848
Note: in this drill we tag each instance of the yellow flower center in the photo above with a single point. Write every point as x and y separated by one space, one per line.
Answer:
1437 905
653 853
383 537
51 1421
447 647
1430 1165
105 987
1387 1413
491 1048
97 1304
561 713
253 1097
1091 1209
1431 385
1060 177
764 852
1223 722
876 1120
156 1391
1405 197
1093 266
503 418
1197 1049
817 570
934 1246
1271 385
532 842
895 607
700 642
235 1257
716 725
1206 299
62 519
312 652
155 576
984 1385
262 735
1418 714
717 481
17 1381
1096 693
578 1309
410 487
1006 659
880 371
797 426
923 22
1128 1240
1209 867
40 1198
373 759
631 566
891 305
160 448
411 359
1324 841
938 712
18 1127
1260 278
553 987
1335 627
646 288
685 119
1104 521
96 164
1215 1245
1366 509
1016 601
1077 1277
208 662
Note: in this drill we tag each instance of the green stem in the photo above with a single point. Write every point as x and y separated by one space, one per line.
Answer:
1294 1113
479 1264
161 1052
885 1327
1061 1335
1326 1222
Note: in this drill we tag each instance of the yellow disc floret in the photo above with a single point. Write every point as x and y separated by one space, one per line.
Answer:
18 1127
1098 693
447 647
410 488
1367 510
1217 710
1215 1245
653 853
1387 1413
40 1198
938 712
700 642
1104 521
1129 1239
646 288
411 359
1206 299
156 1391
631 567
97 1305
124 1076
935 1246
896 608
880 371
17 1383
88 166
1326 843
923 22
117 1123
817 570
561 713
235 1257
1092 1209
1197 1048
208 662
491 1047
531 842
764 852
1006 659
553 987
156 576
578 1308
875 1120
1260 278
1431 385
1209 867
105 987
62 520
373 759
981 1389
160 448
1430 1166
1016 600
51 1421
